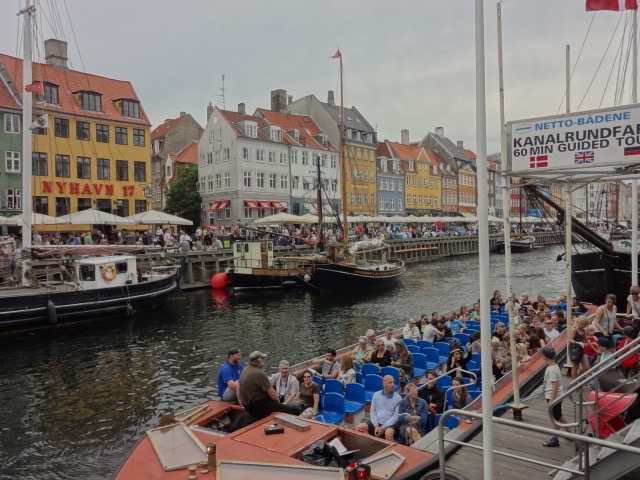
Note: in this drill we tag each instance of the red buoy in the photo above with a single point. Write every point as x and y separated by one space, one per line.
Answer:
219 281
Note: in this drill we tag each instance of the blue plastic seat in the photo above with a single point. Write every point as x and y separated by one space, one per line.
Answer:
354 398
463 337
333 386
372 384
359 377
419 365
394 372
409 341
357 366
424 344
320 382
477 357
444 382
413 348
332 408
443 351
433 358
451 422
474 393
370 369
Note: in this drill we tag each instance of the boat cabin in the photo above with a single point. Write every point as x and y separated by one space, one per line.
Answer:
255 254
104 272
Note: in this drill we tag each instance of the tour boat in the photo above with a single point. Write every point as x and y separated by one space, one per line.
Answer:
519 244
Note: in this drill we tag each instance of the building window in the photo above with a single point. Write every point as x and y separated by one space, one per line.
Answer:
141 206
104 171
294 156
260 180
83 167
39 164
11 123
84 204
131 109
246 153
306 183
61 127
121 136
272 157
295 182
139 172
14 199
218 182
284 182
259 155
283 158
212 135
102 133
305 158
82 131
227 179
50 94
246 179
62 206
138 137
122 170
122 208
12 162
41 205
63 166
225 154
91 101
273 179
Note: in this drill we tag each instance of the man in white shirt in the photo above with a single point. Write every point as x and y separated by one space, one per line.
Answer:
550 329
285 384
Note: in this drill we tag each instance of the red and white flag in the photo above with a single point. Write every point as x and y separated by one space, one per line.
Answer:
539 161
338 54
35 87
612 5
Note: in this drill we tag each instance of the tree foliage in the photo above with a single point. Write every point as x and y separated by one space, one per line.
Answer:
183 198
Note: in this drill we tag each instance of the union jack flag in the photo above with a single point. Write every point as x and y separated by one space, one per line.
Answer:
584 157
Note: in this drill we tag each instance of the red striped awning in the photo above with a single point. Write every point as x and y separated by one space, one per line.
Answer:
277 206
252 204
213 206
265 204
223 204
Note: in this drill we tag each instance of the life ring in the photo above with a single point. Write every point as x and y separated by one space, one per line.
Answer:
109 272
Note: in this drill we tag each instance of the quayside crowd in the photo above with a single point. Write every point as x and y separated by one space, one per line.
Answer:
409 378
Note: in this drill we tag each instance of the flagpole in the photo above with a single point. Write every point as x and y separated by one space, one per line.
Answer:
27 139
634 182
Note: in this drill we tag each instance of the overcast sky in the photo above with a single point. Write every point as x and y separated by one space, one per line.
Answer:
408 63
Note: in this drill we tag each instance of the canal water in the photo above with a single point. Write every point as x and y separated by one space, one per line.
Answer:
75 402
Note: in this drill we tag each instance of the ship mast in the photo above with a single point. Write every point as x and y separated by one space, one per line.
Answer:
343 164
27 107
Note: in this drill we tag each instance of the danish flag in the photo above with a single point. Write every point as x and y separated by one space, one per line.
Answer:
539 161
613 5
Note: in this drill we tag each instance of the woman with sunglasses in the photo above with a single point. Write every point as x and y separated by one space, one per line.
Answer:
633 307
381 356
308 396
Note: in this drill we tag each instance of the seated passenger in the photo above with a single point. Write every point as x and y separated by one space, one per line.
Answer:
431 393
229 375
382 356
431 333
362 353
383 412
457 361
308 397
285 384
347 372
371 338
330 367
460 397
403 360
410 330
414 416
388 338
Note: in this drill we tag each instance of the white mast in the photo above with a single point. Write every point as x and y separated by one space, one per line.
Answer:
27 106
634 182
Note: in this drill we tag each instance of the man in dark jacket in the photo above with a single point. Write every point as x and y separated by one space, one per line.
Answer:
431 393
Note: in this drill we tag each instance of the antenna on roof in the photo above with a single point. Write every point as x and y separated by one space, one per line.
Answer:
224 107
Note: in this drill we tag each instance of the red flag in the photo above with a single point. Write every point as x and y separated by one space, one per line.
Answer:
539 161
35 87
612 5
338 54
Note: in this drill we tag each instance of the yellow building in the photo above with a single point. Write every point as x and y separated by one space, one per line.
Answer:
361 179
94 152
421 191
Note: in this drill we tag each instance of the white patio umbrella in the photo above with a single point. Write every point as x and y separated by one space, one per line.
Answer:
93 217
37 219
309 218
281 217
154 217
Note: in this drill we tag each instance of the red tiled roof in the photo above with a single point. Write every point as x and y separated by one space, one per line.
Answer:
70 82
6 99
166 127
188 154
469 153
405 152
383 150
305 125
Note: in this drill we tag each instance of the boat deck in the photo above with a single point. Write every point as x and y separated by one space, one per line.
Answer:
522 443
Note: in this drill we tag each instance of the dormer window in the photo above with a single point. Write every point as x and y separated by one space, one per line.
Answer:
411 166
295 134
91 101
251 129
130 108
50 95
275 134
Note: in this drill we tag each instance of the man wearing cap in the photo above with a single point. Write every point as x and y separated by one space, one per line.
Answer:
255 392
229 375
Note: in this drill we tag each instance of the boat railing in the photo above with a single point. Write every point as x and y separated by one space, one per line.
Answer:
520 426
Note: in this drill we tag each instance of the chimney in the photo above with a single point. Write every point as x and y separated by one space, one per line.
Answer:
460 144
279 101
289 99
182 114
242 109
209 111
55 53
404 137
439 132
331 99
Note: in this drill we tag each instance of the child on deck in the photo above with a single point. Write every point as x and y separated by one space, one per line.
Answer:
630 366
591 345
552 388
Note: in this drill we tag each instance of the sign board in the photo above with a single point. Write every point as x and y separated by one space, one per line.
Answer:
606 140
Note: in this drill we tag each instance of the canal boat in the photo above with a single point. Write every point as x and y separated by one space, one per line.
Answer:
519 244
84 289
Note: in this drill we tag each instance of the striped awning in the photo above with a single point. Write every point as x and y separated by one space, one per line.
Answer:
251 204
264 204
223 204
277 206
213 206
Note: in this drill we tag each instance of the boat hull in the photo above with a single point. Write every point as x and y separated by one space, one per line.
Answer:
334 276
258 280
517 246
44 308
595 275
